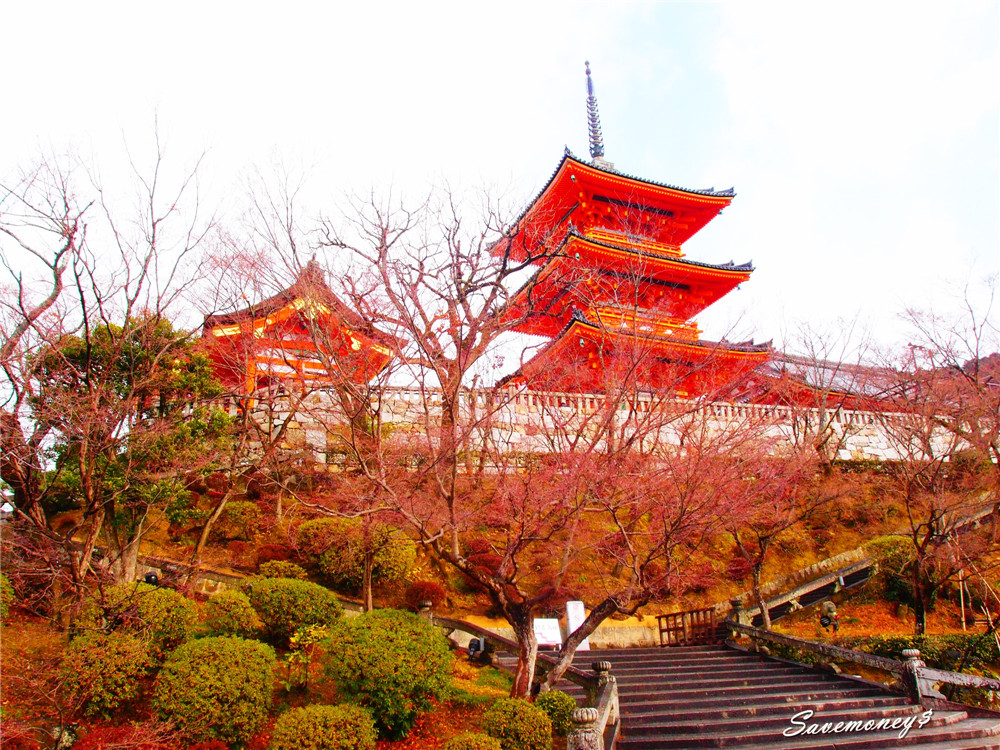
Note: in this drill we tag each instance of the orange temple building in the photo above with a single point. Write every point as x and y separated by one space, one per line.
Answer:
303 334
613 289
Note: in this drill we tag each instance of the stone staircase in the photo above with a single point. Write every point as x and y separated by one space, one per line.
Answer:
717 696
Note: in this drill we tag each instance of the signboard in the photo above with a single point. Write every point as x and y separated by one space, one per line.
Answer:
575 615
547 633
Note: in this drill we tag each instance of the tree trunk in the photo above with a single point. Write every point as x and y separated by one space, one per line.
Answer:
759 596
919 600
597 615
206 530
366 582
88 546
523 623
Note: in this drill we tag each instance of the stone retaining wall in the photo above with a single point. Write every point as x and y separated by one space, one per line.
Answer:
530 422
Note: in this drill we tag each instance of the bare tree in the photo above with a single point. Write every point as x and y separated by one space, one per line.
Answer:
95 375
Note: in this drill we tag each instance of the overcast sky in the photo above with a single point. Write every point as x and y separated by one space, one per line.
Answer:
862 138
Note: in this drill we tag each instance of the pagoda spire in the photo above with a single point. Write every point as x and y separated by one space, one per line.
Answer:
593 119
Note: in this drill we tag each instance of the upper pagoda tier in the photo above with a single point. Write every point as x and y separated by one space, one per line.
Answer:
599 270
606 205
305 333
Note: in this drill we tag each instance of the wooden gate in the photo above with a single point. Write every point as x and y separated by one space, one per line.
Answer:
692 628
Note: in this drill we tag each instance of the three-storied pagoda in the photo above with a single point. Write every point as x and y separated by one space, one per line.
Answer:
303 334
613 289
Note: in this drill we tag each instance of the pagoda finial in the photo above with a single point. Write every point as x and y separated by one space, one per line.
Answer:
593 119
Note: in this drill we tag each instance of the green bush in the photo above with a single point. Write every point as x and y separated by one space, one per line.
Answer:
281 569
472 741
160 614
392 662
239 520
285 605
6 597
217 688
938 651
106 669
558 707
338 546
230 613
518 725
324 728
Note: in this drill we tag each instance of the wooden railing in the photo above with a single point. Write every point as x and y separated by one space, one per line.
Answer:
691 628
918 680
595 727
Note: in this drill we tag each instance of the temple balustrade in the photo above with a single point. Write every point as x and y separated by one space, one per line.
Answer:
533 422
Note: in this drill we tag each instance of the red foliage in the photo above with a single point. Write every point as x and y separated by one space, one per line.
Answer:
738 569
108 737
262 739
269 552
430 591
209 745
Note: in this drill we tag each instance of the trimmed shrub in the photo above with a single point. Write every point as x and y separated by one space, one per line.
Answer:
285 605
6 597
217 688
472 741
338 546
281 569
107 669
518 725
430 591
230 613
324 728
160 614
239 521
392 662
558 707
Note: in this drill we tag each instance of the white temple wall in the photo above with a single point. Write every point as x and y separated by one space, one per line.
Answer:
528 422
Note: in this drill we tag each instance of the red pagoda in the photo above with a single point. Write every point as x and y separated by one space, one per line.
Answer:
613 290
303 334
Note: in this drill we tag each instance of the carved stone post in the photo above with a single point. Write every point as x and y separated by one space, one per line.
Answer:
910 676
917 687
607 687
584 735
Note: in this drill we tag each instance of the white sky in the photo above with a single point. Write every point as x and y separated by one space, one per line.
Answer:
862 138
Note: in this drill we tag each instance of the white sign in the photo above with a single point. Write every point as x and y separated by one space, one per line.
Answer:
547 633
575 615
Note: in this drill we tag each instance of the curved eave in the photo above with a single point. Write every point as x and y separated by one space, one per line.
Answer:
625 187
581 326
740 272
719 279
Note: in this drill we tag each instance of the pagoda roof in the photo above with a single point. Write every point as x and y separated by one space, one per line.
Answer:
309 286
716 279
557 197
676 349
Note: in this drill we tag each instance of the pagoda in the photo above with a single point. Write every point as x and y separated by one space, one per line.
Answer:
304 334
613 290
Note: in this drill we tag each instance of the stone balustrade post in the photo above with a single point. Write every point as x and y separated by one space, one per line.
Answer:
917 687
738 614
585 734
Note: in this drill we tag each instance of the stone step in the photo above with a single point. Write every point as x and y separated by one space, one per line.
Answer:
791 697
944 726
747 691
968 734
764 709
777 721
669 684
